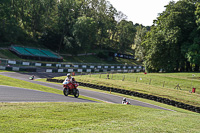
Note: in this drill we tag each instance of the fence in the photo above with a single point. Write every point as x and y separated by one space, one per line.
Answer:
72 67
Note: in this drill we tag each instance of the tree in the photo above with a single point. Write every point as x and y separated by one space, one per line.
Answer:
126 34
85 32
171 33
140 50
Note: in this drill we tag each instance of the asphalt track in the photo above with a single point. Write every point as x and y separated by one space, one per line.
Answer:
14 94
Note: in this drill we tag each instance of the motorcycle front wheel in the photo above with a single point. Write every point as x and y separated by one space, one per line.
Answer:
66 91
76 94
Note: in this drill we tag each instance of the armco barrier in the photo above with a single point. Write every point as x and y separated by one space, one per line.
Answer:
137 94
76 67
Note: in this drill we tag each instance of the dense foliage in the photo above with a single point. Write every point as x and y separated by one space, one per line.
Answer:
65 24
173 43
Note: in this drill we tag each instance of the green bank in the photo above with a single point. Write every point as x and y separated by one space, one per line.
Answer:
90 117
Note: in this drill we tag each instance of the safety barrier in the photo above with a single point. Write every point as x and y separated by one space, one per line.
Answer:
137 94
73 67
26 69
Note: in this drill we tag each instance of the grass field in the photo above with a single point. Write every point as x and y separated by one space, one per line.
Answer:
141 83
90 117
95 59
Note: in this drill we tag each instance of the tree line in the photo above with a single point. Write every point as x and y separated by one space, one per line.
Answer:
70 25
173 43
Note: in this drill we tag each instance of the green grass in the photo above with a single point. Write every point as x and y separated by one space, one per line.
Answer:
95 59
156 88
93 117
89 117
6 54
4 71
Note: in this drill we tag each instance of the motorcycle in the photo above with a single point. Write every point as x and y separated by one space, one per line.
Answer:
32 77
126 102
70 88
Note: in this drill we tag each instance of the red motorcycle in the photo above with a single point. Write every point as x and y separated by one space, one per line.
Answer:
70 88
126 102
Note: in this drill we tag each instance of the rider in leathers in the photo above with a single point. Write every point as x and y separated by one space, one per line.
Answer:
70 79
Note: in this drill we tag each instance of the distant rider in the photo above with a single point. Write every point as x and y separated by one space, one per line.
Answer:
124 101
32 77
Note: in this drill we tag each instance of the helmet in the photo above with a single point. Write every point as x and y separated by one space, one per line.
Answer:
68 75
124 99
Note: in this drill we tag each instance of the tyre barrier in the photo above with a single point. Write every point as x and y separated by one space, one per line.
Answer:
137 94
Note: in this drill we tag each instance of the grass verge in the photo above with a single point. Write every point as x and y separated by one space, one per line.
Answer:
90 117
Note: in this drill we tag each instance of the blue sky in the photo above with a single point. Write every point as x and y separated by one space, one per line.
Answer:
140 11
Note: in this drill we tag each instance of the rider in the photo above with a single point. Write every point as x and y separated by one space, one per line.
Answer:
70 79
32 77
124 100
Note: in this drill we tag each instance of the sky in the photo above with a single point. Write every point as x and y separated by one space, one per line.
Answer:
140 11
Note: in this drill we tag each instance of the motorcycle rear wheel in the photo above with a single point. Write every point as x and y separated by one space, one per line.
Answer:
66 91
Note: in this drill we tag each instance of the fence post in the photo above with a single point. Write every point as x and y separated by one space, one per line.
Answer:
164 84
108 76
150 82
123 78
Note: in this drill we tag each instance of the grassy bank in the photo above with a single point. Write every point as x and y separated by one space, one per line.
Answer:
141 83
6 54
90 117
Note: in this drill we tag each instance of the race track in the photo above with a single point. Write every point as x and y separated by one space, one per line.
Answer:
31 95
15 94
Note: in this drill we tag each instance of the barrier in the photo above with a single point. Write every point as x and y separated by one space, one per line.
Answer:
84 67
15 68
2 68
49 70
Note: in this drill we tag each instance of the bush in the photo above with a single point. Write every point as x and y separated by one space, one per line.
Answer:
102 55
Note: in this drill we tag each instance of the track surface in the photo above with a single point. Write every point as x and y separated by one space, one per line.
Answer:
31 95
15 94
